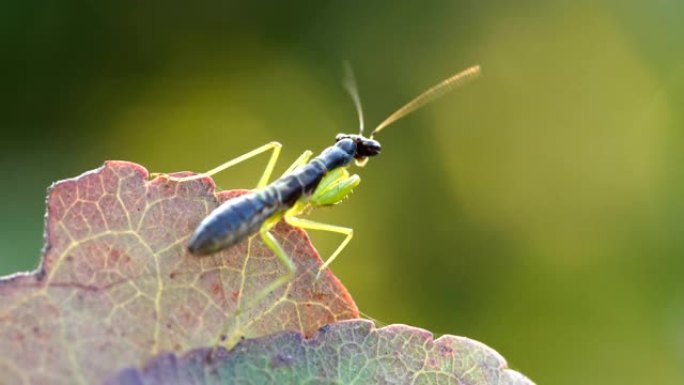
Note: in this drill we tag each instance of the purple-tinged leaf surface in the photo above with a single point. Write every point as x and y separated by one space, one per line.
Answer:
348 352
116 286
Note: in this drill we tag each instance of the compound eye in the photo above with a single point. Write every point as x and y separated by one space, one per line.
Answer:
374 147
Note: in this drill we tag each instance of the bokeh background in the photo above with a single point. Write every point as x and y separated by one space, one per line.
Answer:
538 210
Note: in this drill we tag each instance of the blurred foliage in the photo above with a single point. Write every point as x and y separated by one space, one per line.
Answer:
538 210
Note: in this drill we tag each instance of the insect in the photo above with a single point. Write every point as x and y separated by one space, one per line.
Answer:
307 183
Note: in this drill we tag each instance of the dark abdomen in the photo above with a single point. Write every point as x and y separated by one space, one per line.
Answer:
232 222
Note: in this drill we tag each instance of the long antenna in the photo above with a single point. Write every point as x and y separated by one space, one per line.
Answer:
349 84
430 95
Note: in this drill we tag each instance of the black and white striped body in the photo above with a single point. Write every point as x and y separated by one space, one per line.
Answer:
243 216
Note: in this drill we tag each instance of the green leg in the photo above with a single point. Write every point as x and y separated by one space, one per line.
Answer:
334 187
272 146
274 245
311 225
229 340
303 159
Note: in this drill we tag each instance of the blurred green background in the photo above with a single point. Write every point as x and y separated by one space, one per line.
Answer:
538 210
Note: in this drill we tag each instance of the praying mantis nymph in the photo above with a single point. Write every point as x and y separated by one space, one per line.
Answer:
307 183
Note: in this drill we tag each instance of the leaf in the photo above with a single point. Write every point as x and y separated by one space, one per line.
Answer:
348 352
115 285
